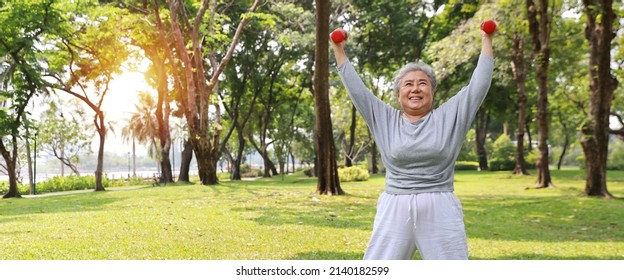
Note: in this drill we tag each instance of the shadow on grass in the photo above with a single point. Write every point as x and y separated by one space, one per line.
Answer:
539 257
355 216
54 204
327 255
549 219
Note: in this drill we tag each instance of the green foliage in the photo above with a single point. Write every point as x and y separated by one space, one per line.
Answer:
503 154
501 164
468 150
133 181
466 165
353 173
580 161
615 160
74 183
4 187
224 176
69 183
616 156
66 132
142 125
531 158
248 172
309 171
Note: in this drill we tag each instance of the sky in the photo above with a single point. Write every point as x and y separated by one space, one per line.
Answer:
118 105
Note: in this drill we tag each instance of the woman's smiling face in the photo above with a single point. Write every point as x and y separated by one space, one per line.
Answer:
416 94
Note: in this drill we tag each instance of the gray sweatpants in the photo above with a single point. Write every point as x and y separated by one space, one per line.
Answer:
432 223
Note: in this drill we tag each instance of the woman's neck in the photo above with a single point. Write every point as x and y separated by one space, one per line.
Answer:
414 117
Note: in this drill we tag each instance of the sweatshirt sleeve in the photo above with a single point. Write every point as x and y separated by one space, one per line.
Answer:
372 109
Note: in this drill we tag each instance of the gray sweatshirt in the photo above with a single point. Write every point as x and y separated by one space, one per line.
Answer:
420 156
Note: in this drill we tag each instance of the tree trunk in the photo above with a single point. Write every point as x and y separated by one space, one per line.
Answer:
236 166
206 165
527 129
61 158
352 128
373 154
519 73
133 157
566 143
185 162
262 150
29 160
163 111
539 27
595 132
10 166
272 167
198 89
328 181
99 169
266 163
482 122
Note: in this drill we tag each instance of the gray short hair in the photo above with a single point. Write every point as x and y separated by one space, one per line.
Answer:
412 67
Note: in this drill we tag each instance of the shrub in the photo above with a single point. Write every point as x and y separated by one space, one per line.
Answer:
58 183
353 173
468 150
580 160
4 187
250 174
245 168
531 158
135 180
503 154
309 171
466 165
71 183
224 176
616 157
501 165
21 188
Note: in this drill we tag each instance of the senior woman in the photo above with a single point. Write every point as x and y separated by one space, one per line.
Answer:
418 209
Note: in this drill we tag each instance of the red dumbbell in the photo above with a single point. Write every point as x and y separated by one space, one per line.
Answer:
338 35
488 26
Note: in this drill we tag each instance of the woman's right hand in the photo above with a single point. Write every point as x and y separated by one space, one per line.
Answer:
339 51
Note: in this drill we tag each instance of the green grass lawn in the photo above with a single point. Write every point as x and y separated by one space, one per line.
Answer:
283 219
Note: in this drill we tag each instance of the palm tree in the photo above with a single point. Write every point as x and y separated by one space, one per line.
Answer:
142 127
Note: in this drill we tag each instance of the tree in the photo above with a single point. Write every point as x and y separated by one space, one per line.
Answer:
539 27
326 166
352 136
64 134
195 42
153 42
270 98
513 19
569 96
599 32
185 161
23 24
238 105
260 81
142 126
84 61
